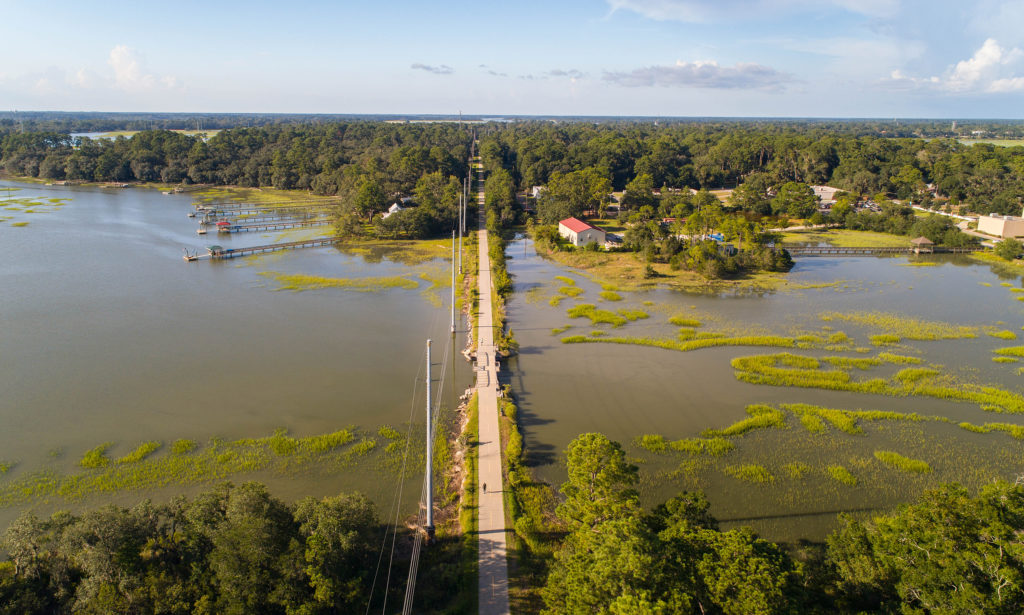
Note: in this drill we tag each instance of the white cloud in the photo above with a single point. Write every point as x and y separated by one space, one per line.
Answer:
992 69
443 69
129 73
700 11
702 74
1014 84
982 66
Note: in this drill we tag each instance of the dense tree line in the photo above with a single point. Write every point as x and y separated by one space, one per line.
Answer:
854 156
230 550
772 155
947 553
325 158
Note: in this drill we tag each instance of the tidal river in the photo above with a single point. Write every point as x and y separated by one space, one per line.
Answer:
108 336
885 355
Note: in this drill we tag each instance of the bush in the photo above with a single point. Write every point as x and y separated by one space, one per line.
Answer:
1009 249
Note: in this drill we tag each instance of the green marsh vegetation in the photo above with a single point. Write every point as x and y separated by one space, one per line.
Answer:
96 457
301 282
610 295
790 370
680 320
842 475
904 464
897 359
1003 335
750 472
185 463
903 327
1011 351
144 450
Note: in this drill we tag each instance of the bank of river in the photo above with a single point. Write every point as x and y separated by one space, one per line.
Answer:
109 336
784 478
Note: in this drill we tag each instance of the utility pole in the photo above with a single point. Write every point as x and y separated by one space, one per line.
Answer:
462 212
430 458
453 282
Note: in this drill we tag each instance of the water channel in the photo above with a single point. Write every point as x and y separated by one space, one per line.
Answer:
110 336
626 391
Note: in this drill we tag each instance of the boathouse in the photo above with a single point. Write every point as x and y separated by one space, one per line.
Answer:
922 245
579 233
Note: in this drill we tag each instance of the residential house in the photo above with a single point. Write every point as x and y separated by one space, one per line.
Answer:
579 233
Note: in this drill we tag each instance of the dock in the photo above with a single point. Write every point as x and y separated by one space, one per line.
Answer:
271 226
220 252
798 250
235 206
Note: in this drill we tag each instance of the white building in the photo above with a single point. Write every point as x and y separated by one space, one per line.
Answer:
536 191
394 209
826 194
1001 226
579 233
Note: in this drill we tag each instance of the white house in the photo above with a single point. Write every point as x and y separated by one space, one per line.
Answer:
579 233
826 194
1001 226
536 191
394 209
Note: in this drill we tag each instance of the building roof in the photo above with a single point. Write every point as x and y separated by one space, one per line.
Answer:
577 226
922 241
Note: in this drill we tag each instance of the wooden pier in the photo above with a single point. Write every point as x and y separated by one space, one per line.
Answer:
235 206
220 252
211 218
799 250
271 226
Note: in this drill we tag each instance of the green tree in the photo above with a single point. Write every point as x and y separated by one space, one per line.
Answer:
639 192
247 549
1009 249
339 534
370 199
947 553
795 199
600 483
571 194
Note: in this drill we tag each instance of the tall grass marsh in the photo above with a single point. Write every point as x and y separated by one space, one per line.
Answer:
144 450
750 472
790 370
904 327
301 282
904 464
842 475
186 463
96 457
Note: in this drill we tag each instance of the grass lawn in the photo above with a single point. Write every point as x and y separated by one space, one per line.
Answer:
608 225
625 271
997 142
844 238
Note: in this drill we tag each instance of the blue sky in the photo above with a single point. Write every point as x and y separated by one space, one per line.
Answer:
793 58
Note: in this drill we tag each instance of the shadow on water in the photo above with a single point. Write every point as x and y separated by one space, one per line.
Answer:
799 515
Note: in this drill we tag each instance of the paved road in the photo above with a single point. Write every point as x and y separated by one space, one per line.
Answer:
493 568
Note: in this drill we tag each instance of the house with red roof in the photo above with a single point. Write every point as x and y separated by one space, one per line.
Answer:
579 233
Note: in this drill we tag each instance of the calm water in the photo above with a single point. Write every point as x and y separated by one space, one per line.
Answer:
626 391
108 335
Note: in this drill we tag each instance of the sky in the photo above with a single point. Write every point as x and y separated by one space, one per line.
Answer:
745 58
